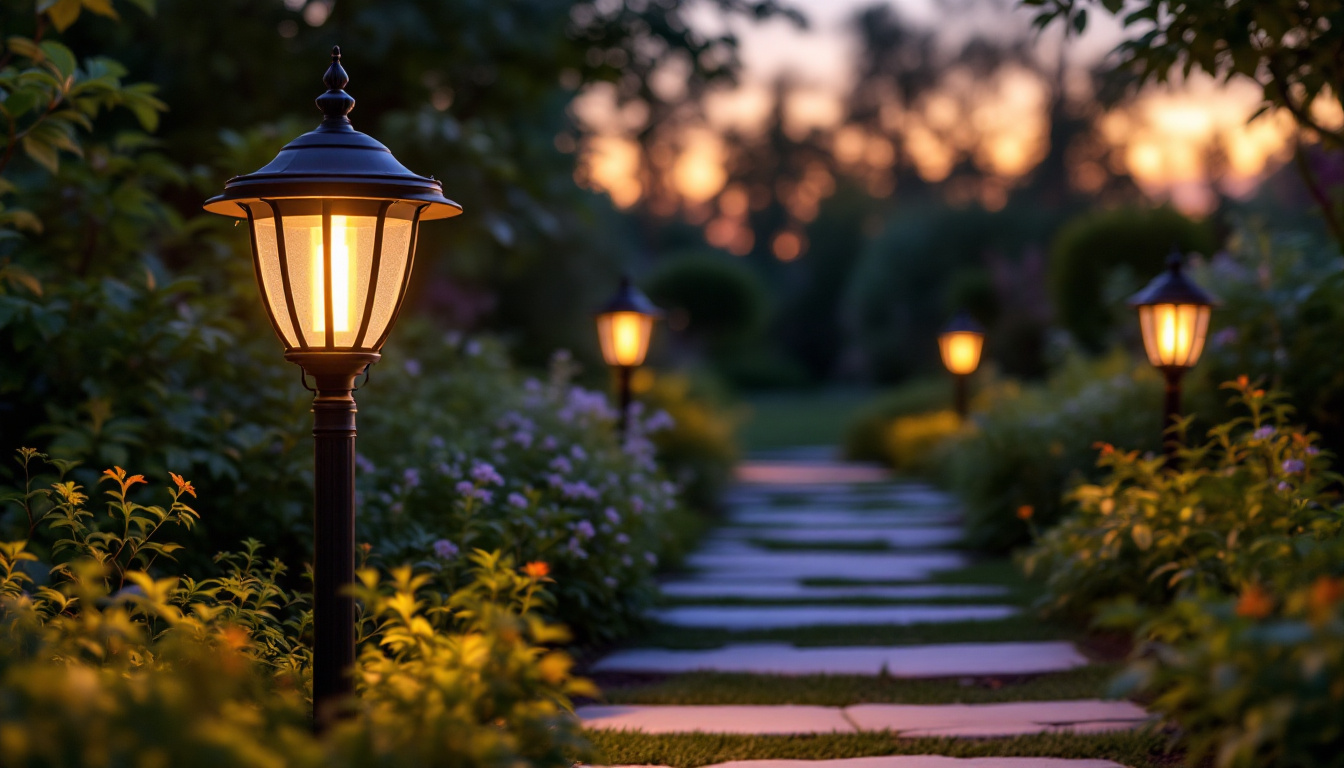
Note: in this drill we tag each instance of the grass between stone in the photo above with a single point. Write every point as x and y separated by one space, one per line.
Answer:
1023 628
844 690
691 750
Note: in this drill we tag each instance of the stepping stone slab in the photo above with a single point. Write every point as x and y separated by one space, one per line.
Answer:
829 565
1006 719
787 719
779 517
948 660
792 590
924 761
742 617
908 536
909 720
793 473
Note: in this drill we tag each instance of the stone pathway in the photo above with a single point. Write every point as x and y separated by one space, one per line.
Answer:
817 544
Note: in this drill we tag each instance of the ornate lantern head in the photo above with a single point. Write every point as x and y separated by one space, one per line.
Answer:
961 344
624 325
1174 317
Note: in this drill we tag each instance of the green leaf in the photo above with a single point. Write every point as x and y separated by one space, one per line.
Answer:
60 57
101 7
42 153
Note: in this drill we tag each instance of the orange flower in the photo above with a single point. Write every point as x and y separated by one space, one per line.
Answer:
1258 393
1025 512
1255 603
183 486
118 475
1106 448
1325 592
1243 381
537 570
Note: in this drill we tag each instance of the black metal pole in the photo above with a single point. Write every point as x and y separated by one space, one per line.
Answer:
1171 413
333 528
962 394
623 385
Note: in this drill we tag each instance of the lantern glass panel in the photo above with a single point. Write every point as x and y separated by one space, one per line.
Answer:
961 351
624 337
1173 334
354 253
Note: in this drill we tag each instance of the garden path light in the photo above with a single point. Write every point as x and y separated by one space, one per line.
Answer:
1174 318
624 326
333 221
960 345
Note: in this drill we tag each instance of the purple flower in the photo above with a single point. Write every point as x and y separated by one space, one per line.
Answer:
613 515
659 421
637 505
548 443
518 500
411 476
465 487
585 530
579 490
1225 338
1284 486
577 452
412 367
1263 433
554 480
561 464
523 438
1312 450
610 582
445 549
1294 466
577 550
363 463
651 558
621 538
485 474
436 442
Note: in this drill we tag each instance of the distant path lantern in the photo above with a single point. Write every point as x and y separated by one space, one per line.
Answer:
960 345
1174 318
333 220
624 327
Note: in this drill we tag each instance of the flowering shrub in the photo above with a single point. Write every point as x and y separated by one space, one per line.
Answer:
108 663
1226 516
531 469
1030 445
916 443
1254 679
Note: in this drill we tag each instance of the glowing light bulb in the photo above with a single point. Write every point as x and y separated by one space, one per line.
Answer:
341 266
625 337
961 351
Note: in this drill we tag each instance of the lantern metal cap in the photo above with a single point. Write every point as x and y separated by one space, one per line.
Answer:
628 298
334 161
1173 287
962 322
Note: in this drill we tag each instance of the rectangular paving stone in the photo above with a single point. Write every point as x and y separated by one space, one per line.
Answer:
781 517
944 660
870 566
1005 719
744 617
904 536
791 590
787 719
793 473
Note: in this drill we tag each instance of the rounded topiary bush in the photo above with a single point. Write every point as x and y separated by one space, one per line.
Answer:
710 300
1093 251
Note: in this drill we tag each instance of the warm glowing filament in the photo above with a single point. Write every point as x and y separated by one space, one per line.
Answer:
961 351
1173 334
340 277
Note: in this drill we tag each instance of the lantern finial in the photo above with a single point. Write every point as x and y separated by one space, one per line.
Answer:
336 103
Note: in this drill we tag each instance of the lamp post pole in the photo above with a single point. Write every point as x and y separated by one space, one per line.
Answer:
1171 412
623 376
962 394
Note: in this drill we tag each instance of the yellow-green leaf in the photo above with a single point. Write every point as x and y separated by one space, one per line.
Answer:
1143 536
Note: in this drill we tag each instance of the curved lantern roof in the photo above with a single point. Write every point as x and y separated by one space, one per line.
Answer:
964 323
1172 287
628 298
334 161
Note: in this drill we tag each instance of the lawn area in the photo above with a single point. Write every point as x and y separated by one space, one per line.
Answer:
803 418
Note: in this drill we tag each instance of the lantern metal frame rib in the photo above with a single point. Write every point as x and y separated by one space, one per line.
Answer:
628 299
1175 289
333 171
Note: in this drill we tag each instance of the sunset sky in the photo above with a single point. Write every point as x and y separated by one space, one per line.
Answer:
1163 140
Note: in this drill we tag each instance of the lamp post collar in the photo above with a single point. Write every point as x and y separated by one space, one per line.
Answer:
1173 286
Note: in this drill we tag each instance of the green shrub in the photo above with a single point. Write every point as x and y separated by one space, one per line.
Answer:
917 444
1227 516
1254 680
1101 257
1029 445
699 449
866 433
107 658
713 300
